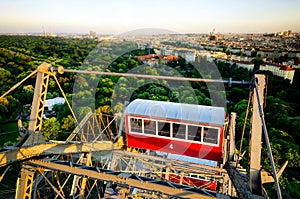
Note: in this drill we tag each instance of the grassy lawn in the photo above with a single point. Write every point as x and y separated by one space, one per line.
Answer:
8 132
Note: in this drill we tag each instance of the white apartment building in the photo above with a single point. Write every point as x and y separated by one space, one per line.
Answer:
280 70
243 64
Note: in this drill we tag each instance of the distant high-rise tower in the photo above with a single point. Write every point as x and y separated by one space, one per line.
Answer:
43 31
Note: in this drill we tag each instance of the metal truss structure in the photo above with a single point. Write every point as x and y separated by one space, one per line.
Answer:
89 165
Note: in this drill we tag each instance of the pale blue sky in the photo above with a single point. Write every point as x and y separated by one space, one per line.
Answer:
117 16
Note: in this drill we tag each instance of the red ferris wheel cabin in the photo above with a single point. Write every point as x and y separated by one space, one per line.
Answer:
185 129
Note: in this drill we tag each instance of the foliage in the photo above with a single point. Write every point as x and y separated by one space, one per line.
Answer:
68 123
51 129
20 55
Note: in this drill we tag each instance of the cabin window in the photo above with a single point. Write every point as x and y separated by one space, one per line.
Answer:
136 125
194 133
164 128
210 135
149 127
179 131
174 130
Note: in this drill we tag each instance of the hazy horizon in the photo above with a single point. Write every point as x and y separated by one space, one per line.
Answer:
119 16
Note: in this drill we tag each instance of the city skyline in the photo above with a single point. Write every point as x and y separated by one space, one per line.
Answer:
114 17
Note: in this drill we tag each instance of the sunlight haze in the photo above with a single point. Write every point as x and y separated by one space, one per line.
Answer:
113 17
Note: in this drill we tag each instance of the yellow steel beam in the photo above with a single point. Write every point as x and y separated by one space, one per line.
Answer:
25 182
137 182
24 153
39 98
256 137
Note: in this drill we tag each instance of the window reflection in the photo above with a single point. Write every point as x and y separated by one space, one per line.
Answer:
179 130
164 128
136 125
149 127
210 135
194 133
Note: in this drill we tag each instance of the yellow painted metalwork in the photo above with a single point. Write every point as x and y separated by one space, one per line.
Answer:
24 153
24 186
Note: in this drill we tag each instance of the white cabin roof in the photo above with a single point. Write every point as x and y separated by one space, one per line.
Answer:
177 111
